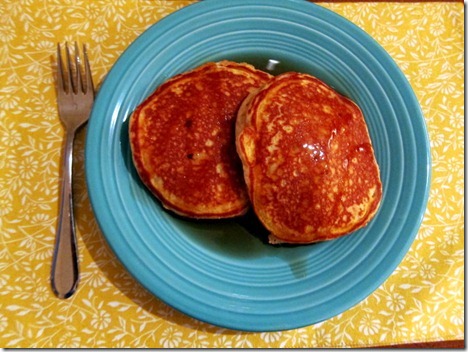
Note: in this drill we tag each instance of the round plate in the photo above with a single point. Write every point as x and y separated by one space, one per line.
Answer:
222 272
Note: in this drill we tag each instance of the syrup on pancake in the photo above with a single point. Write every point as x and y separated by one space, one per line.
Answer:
308 160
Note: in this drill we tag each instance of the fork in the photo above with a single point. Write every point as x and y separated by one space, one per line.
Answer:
75 97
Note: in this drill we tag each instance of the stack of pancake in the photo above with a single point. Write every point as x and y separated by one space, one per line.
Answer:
223 137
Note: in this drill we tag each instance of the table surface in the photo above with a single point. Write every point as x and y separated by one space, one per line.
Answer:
422 301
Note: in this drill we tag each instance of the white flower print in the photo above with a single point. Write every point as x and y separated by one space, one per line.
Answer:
269 337
437 28
101 320
437 139
100 34
453 165
451 238
170 338
39 218
437 198
11 137
322 337
418 329
93 276
457 120
447 87
222 342
41 294
425 71
3 322
411 38
28 167
9 101
425 231
427 271
6 204
369 325
69 340
7 33
396 302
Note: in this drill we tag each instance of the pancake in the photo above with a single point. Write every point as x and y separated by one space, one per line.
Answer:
308 160
182 140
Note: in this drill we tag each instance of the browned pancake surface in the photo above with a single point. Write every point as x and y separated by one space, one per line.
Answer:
182 140
308 160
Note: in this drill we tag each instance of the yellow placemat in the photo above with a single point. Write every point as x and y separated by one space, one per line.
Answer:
422 301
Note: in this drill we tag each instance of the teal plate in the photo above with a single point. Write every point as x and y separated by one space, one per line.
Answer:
223 272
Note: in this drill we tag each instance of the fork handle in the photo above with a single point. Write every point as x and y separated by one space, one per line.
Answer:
64 274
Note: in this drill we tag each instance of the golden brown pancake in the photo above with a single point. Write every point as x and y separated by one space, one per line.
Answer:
182 140
308 161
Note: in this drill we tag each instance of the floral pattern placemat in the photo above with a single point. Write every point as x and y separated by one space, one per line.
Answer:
423 300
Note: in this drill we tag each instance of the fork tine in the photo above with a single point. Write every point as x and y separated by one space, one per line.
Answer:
75 69
78 74
89 88
71 81
60 78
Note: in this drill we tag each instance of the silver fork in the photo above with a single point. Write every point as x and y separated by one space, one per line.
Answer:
75 97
